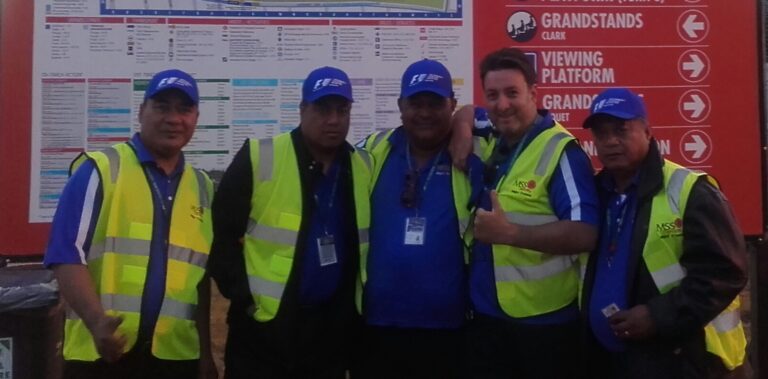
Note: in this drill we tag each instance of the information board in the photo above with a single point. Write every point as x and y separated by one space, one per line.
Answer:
73 73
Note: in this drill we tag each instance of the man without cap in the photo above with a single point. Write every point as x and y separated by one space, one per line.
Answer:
129 245
660 294
291 220
539 211
414 299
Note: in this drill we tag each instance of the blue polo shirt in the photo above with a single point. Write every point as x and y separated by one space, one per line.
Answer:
612 262
416 286
77 214
572 196
321 273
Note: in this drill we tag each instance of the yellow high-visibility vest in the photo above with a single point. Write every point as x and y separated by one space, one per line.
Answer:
276 214
529 282
119 255
663 248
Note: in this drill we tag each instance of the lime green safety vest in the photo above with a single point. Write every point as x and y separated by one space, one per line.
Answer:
528 282
379 147
276 214
724 335
119 255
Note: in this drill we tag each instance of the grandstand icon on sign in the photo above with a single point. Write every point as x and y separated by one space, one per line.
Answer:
521 26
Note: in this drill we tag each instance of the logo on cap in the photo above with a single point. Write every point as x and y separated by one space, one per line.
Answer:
178 81
426 78
610 102
328 82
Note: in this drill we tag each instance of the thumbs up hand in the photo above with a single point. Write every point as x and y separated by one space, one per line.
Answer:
492 226
110 343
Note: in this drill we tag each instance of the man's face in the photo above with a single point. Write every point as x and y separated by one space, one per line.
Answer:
168 121
325 122
621 145
426 118
510 101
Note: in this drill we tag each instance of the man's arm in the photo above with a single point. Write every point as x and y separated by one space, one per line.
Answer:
77 288
562 237
66 254
460 145
714 258
573 198
230 210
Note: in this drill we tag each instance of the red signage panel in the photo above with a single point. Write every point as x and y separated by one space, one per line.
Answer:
695 62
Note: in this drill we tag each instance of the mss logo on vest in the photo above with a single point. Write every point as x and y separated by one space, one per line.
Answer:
670 229
524 187
196 213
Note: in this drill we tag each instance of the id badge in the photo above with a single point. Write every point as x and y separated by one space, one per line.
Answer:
610 310
327 250
414 230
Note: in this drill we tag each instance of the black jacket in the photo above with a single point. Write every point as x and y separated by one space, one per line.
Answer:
283 337
714 257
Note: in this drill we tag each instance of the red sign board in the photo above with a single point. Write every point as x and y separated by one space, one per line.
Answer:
695 62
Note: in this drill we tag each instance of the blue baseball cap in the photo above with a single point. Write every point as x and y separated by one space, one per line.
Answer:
426 75
172 79
617 102
326 81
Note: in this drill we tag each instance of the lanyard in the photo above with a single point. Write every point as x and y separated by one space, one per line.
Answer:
615 233
431 170
156 189
512 158
323 215
152 181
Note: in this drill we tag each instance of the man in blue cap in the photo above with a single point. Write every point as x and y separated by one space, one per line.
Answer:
660 295
129 246
537 214
291 221
414 298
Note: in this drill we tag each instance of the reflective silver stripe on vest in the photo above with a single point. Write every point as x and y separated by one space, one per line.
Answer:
203 189
272 234
264 287
365 157
266 150
177 309
477 146
530 220
549 153
377 139
463 225
727 321
362 235
552 267
669 275
187 255
114 302
114 162
126 303
675 189
118 245
121 303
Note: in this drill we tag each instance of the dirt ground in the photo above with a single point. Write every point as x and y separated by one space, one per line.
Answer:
219 307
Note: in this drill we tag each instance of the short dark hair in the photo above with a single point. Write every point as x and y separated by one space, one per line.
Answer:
508 58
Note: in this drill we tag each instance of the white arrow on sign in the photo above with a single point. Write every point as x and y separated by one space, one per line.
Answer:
697 106
691 26
695 65
698 146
